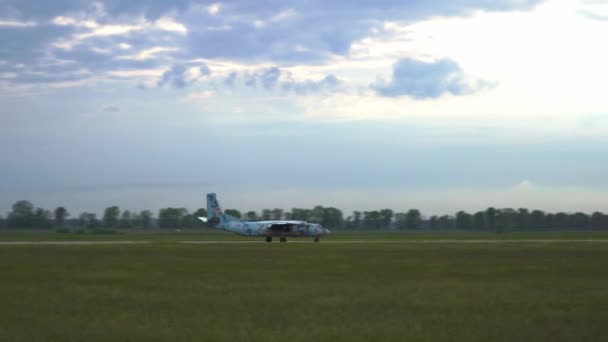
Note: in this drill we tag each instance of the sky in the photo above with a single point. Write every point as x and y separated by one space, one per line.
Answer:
435 105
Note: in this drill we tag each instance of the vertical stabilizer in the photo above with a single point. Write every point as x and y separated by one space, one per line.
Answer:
215 214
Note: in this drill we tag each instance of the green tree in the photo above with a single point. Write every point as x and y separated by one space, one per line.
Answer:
146 218
266 214
277 214
318 212
434 222
251 216
598 220
550 221
61 214
189 221
126 219
111 216
386 217
560 220
301 214
2 222
88 220
464 220
413 219
233 212
357 219
524 221
201 212
332 217
579 221
446 222
372 219
171 217
42 218
479 220
22 215
491 218
537 220
507 219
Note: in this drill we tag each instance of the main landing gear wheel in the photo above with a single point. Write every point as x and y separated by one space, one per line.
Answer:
268 239
283 239
316 239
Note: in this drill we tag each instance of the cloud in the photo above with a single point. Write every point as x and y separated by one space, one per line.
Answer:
16 23
230 80
214 8
270 77
295 31
329 82
92 36
204 70
180 76
176 76
274 77
597 10
111 109
422 80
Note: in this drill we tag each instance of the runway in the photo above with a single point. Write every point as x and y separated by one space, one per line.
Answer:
71 243
232 242
410 241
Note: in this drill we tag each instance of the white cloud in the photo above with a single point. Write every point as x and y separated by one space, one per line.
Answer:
149 53
69 21
548 64
595 9
550 61
198 97
94 29
16 23
523 185
283 15
214 8
280 16
169 24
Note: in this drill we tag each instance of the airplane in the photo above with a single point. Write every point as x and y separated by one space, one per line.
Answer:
283 229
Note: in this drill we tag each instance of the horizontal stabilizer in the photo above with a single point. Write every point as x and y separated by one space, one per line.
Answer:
202 218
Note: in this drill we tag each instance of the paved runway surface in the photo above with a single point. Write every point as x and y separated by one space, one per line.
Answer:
208 242
64 243
410 241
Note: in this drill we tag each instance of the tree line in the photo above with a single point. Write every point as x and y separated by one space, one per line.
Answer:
25 215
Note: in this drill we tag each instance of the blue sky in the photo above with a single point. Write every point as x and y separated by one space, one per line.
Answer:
436 105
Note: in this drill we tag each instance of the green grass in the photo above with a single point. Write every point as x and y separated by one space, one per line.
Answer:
302 292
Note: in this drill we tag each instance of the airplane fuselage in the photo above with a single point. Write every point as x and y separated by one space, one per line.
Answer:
283 229
273 228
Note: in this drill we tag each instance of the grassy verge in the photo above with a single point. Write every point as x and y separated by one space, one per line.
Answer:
304 292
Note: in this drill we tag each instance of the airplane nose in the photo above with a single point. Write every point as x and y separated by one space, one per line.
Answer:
327 231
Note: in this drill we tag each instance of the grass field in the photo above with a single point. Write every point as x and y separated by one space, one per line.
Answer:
300 292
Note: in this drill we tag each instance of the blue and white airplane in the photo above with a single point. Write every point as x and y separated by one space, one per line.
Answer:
283 229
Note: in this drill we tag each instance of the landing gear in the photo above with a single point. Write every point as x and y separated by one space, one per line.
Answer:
283 239
316 239
269 239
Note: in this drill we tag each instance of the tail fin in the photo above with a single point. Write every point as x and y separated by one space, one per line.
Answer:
215 214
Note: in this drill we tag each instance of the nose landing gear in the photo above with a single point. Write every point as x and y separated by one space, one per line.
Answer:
283 239
269 239
316 239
